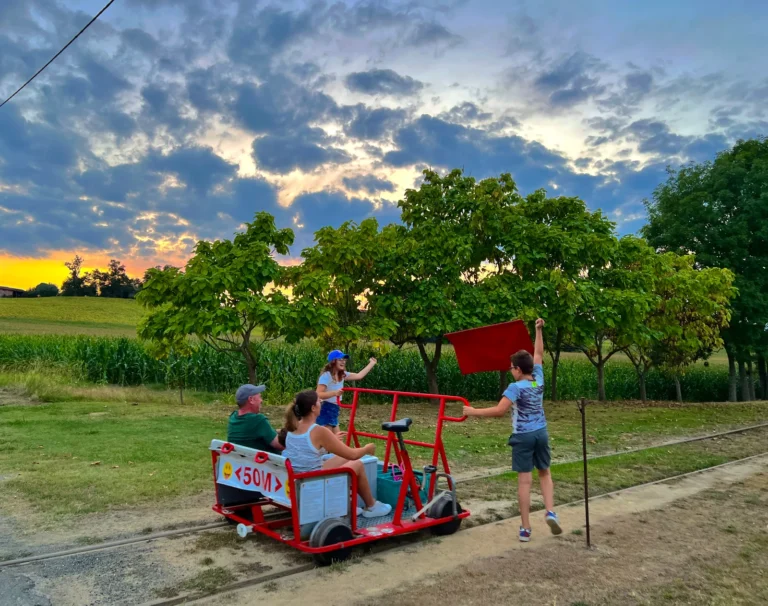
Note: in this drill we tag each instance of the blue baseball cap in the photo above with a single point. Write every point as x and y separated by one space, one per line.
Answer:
247 391
337 354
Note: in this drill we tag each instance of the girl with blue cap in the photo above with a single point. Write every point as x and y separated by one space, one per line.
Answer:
330 384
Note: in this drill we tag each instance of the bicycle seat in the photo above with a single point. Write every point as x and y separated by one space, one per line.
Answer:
400 426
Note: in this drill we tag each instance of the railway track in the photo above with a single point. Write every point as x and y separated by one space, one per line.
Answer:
292 572
212 526
394 543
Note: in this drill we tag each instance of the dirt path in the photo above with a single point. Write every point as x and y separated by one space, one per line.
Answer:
632 532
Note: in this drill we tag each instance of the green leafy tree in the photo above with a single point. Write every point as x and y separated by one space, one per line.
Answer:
428 268
684 324
225 297
115 282
77 285
337 274
718 211
615 298
555 244
43 290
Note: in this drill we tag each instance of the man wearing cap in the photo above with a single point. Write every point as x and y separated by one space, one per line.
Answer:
247 426
330 384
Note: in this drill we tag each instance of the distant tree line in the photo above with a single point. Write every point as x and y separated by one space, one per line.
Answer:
113 283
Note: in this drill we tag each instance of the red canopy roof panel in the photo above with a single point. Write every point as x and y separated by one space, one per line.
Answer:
489 348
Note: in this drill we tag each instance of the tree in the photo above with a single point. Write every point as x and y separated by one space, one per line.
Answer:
556 242
428 268
337 273
421 303
614 300
718 211
115 282
225 296
684 325
76 285
43 290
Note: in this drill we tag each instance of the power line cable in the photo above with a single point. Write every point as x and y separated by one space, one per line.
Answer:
57 54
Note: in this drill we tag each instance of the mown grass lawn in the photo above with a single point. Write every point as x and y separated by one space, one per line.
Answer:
74 457
625 470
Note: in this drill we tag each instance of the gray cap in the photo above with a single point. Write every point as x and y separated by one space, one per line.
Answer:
246 391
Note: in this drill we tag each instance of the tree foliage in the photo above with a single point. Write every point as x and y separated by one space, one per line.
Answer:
430 270
43 290
686 320
556 243
614 299
115 282
77 285
718 211
337 274
225 296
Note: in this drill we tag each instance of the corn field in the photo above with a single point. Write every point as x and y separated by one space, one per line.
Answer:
286 369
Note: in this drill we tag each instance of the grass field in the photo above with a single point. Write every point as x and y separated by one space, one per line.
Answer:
101 448
70 316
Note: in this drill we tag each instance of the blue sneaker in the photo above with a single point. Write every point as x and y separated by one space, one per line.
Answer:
525 534
553 522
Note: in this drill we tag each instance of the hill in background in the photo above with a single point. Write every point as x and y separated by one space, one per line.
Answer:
70 316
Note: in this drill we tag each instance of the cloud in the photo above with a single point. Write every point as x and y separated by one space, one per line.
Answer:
140 40
373 124
34 152
306 150
260 35
279 104
467 112
198 167
161 108
432 33
637 86
110 150
333 208
432 141
382 82
571 80
368 183
117 183
655 137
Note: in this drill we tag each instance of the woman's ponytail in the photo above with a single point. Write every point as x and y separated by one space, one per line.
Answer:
297 410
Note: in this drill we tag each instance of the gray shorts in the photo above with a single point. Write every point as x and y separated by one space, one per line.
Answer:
530 450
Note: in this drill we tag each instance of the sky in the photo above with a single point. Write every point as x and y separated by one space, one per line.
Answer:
171 121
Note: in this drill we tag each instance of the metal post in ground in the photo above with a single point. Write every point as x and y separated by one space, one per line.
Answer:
582 410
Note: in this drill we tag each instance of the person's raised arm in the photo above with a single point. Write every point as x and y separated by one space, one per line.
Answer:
333 445
499 410
538 346
357 376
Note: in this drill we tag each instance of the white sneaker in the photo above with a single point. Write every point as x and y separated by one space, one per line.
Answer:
378 510
359 511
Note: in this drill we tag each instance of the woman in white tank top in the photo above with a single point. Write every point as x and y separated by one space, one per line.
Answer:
306 442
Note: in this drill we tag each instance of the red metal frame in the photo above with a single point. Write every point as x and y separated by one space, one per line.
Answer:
270 526
437 447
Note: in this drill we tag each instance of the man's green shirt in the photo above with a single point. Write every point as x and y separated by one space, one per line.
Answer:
251 430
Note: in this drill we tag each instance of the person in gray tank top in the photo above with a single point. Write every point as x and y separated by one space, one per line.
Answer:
306 442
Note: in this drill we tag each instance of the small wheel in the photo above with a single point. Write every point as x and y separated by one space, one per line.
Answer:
330 532
243 530
442 508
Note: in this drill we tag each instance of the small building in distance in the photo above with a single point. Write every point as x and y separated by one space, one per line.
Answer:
8 292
